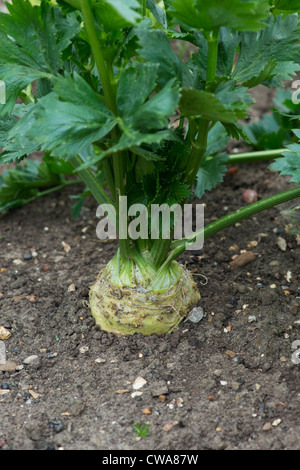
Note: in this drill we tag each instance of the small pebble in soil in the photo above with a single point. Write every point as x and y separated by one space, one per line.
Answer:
195 315
27 256
235 386
56 426
17 261
242 260
30 359
282 244
99 360
139 383
5 386
4 333
179 402
170 425
51 355
159 389
66 247
249 196
267 427
252 318
136 394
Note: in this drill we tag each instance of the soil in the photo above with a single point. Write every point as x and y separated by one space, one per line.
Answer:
226 382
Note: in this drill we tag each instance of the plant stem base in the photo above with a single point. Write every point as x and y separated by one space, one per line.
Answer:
129 310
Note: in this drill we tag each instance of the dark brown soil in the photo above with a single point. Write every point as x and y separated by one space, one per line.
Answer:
228 381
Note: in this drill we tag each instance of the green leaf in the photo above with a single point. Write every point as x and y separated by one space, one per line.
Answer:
64 128
289 164
284 71
287 4
21 184
32 41
283 102
23 147
117 14
16 78
6 123
286 7
158 13
241 15
211 173
146 154
135 85
155 48
143 119
270 53
228 104
42 32
217 139
77 206
267 133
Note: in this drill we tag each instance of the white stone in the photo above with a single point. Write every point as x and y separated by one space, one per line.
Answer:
139 383
2 353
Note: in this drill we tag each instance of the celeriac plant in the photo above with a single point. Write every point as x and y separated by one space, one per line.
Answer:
97 87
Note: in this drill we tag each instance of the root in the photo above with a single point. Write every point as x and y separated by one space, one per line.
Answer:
129 310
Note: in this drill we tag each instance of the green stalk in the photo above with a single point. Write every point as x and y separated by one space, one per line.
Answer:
74 3
213 43
143 8
53 190
160 250
197 153
91 181
199 147
106 75
98 54
109 175
249 157
179 246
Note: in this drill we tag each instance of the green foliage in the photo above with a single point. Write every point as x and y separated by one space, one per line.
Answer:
286 7
155 48
158 13
211 173
275 130
117 14
241 15
228 104
289 165
67 127
141 429
32 42
104 90
23 184
270 55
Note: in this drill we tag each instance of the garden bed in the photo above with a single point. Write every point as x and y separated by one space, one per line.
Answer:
226 382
